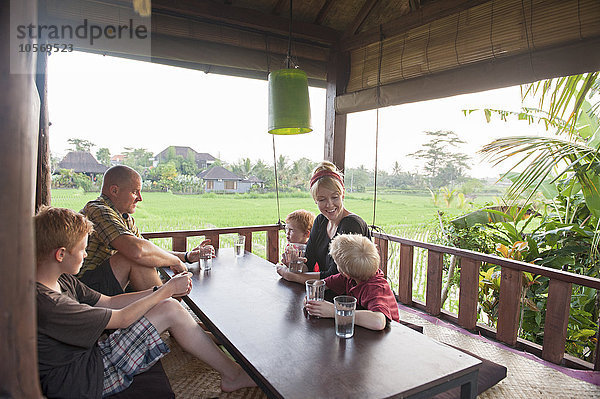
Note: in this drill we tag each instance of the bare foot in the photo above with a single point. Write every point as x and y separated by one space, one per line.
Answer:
240 380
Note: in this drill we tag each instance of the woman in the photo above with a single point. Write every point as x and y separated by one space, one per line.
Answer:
327 189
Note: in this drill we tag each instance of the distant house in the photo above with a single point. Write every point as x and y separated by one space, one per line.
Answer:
82 162
203 160
220 179
117 159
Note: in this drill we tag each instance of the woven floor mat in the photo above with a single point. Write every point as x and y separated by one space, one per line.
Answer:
525 378
193 379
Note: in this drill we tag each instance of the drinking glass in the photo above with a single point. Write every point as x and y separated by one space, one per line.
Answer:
239 245
345 308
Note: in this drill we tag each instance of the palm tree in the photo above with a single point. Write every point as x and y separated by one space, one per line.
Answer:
572 153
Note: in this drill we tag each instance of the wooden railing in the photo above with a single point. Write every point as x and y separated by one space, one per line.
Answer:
557 306
179 238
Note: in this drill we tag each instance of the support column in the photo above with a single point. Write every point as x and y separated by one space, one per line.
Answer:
44 167
19 119
335 124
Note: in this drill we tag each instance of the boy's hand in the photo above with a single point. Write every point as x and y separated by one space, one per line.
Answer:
320 308
179 285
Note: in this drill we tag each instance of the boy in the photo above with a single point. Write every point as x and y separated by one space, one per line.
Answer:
74 359
298 225
358 262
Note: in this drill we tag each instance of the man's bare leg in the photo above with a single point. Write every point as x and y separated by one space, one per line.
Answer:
170 315
128 272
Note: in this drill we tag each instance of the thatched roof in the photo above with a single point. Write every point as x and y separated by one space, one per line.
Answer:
413 49
82 162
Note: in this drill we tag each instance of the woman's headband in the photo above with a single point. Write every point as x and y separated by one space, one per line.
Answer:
324 173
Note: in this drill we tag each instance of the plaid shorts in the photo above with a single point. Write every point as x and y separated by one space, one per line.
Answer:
128 352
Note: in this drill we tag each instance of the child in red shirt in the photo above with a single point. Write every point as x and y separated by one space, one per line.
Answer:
357 259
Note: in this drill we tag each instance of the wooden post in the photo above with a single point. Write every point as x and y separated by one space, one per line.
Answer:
214 240
335 124
248 241
469 293
273 246
433 301
179 243
44 168
19 128
382 247
405 274
557 318
508 309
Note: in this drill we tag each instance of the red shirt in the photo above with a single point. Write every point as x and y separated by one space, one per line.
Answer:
374 294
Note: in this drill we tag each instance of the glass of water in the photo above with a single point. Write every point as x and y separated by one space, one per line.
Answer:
345 306
238 245
296 253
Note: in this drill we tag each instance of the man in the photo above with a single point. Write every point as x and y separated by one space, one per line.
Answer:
117 253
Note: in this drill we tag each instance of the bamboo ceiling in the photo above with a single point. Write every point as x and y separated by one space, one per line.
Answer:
414 49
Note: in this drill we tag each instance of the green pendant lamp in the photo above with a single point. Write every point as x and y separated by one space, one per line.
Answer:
289 105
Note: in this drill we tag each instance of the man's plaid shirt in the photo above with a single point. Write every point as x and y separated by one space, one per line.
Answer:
108 225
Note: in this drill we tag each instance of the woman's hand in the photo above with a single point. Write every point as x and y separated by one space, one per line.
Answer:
320 308
179 285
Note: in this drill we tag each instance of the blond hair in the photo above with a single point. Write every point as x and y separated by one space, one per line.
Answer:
327 182
58 227
355 255
303 218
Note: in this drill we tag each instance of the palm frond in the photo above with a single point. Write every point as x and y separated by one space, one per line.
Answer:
541 155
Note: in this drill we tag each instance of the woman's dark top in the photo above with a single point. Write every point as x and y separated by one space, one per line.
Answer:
317 247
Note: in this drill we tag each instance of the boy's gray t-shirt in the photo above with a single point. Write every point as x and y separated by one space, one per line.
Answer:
69 360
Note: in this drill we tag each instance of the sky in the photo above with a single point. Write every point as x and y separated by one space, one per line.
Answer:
118 103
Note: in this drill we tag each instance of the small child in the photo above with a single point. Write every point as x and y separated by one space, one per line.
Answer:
298 225
357 259
75 358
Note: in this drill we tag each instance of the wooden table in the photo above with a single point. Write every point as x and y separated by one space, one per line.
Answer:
260 320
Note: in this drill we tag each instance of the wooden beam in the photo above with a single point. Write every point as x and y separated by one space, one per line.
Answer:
19 129
273 246
179 244
424 15
469 293
44 168
238 16
435 265
323 12
278 8
382 248
508 308
557 319
405 274
248 241
360 18
335 124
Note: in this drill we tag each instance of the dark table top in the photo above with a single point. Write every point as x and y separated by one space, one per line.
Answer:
260 319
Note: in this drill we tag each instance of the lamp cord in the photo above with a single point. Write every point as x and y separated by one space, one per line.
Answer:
288 58
378 94
276 181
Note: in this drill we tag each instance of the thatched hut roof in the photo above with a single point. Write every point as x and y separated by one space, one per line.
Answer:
82 162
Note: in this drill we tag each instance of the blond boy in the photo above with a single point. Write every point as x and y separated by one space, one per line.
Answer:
75 358
357 259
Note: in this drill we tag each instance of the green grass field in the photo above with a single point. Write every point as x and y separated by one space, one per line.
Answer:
404 215
166 211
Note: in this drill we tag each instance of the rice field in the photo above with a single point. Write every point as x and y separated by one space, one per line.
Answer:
411 216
